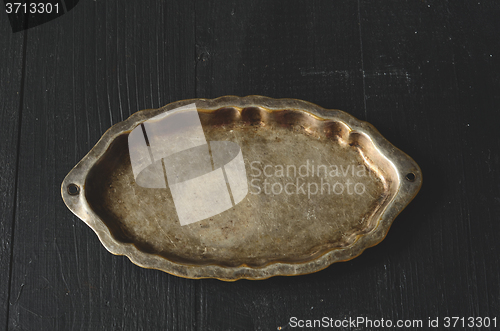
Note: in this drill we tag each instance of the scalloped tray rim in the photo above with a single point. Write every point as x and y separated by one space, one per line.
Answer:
403 164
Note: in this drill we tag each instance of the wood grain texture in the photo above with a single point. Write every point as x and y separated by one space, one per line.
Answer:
307 51
425 73
89 69
430 73
403 56
11 62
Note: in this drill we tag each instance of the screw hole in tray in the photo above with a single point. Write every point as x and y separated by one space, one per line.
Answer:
410 177
73 189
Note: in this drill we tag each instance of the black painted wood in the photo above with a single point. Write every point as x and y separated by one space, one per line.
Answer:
89 69
11 62
425 73
432 71
306 51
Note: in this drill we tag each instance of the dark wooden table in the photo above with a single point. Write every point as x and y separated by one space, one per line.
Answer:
425 73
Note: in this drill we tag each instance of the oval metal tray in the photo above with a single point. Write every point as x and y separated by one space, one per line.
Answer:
322 187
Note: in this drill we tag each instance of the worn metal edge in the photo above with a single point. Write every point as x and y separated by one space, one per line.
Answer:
402 163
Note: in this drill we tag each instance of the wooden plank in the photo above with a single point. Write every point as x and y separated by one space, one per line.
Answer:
85 71
310 51
425 69
429 68
11 55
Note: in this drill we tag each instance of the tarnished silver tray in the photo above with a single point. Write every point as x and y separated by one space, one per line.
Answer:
315 187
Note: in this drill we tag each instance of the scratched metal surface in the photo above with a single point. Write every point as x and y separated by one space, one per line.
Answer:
425 73
363 180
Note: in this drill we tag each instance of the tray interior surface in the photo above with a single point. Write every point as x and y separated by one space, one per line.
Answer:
338 186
